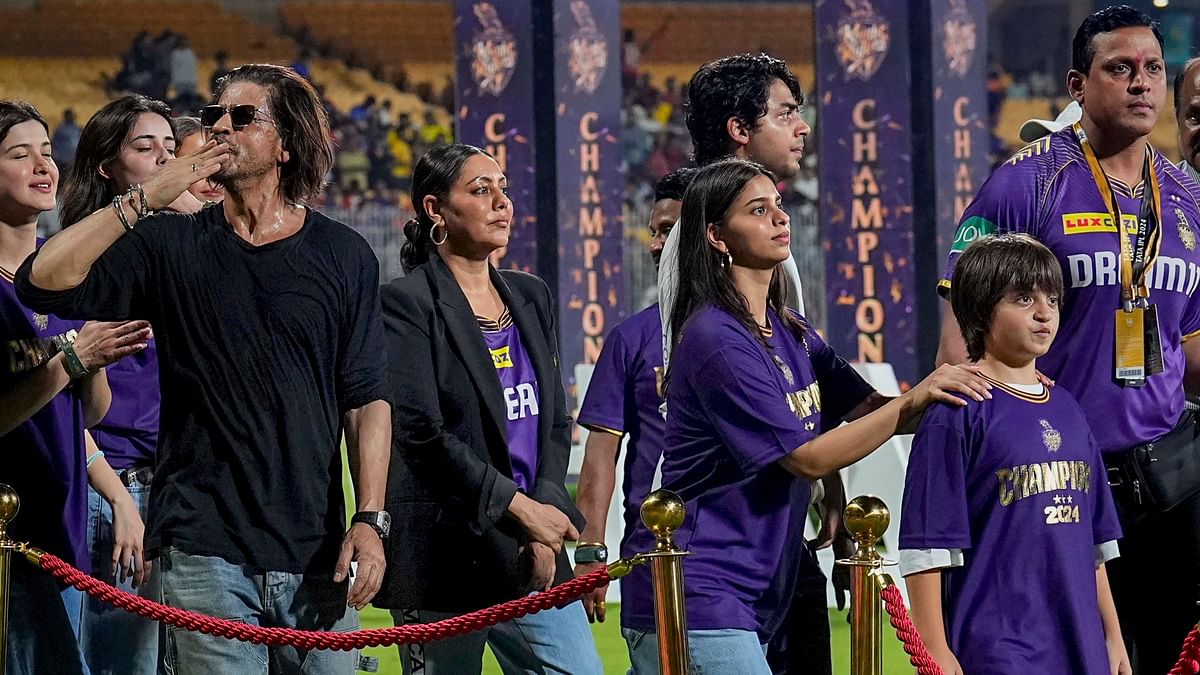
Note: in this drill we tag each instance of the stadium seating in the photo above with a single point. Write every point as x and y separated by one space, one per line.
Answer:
105 28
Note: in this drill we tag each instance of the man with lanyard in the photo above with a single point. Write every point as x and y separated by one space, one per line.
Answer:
1122 222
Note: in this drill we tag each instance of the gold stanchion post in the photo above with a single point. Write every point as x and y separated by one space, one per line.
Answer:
10 503
867 518
663 513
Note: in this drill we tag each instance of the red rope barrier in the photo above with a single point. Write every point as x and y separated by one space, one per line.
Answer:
1189 658
918 655
559 596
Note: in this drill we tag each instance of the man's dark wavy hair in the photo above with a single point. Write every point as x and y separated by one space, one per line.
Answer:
302 122
735 86
1083 49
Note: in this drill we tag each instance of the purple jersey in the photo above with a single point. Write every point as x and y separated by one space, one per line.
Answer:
44 456
624 396
128 433
1047 191
734 409
520 386
1017 483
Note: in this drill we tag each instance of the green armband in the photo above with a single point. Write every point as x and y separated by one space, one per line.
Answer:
75 368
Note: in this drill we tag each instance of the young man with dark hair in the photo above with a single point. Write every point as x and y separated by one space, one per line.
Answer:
1187 116
267 319
749 106
1031 555
1121 220
623 399
746 106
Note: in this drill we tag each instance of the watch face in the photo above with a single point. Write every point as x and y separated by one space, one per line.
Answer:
380 520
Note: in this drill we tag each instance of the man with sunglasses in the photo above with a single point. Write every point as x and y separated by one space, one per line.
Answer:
270 343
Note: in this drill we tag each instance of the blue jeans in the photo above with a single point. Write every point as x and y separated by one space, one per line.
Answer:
114 641
550 641
212 586
713 652
43 623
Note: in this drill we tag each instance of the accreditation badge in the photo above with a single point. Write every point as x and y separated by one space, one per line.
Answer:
1130 344
1153 340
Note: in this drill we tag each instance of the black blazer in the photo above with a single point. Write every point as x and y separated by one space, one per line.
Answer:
453 547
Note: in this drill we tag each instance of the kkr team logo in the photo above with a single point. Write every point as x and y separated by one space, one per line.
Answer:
41 321
958 43
493 51
863 40
1050 436
1186 234
588 50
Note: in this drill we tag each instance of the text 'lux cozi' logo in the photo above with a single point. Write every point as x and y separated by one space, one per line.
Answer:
1079 223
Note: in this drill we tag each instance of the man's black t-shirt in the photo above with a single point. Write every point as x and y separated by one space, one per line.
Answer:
261 349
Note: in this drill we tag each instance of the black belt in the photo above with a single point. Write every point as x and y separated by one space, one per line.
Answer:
141 475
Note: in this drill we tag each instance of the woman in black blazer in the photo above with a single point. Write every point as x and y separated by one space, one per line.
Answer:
481 433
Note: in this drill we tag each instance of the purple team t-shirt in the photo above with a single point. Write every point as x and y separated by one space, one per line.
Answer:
519 383
1047 191
1017 483
128 434
624 396
44 457
734 409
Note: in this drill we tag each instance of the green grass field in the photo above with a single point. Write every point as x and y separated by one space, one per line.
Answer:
612 647
616 660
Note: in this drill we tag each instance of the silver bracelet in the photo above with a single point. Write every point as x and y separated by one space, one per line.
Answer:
120 209
145 210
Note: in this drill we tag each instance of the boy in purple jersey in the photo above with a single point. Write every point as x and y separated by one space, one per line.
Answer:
1069 190
746 414
1008 519
623 398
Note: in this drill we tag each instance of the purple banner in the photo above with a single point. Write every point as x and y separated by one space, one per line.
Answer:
587 100
494 94
864 86
960 117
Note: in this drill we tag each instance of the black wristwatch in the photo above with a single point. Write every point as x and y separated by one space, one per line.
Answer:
591 553
380 521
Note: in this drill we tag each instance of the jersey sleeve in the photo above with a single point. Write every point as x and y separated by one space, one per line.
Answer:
842 388
1007 202
747 406
934 514
1189 319
603 406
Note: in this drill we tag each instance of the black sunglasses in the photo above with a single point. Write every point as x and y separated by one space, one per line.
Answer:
239 115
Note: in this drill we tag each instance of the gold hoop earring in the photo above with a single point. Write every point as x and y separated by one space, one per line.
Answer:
432 238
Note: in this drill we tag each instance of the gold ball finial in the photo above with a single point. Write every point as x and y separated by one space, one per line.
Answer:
10 503
663 512
867 518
